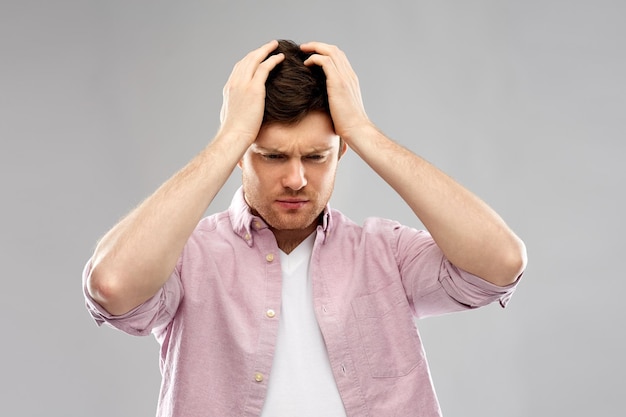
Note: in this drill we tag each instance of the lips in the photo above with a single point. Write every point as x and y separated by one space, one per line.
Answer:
291 204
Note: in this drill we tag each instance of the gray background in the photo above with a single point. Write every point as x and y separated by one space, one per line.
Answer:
521 101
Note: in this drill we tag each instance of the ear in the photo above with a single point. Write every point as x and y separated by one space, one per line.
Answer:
344 148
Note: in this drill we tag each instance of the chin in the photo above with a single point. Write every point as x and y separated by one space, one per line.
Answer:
282 223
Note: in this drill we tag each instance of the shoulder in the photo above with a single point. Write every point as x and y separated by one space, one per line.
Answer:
210 230
377 228
213 222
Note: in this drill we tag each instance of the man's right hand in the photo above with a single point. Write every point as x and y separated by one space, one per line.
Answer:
244 93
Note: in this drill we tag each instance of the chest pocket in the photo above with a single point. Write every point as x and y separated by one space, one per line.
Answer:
388 333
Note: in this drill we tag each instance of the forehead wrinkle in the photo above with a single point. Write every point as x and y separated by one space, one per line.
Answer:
312 134
285 150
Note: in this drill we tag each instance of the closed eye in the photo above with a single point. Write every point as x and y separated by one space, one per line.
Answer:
279 157
316 158
273 156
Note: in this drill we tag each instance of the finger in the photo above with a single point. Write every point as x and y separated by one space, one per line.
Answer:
320 48
337 56
247 66
265 67
258 55
324 61
324 49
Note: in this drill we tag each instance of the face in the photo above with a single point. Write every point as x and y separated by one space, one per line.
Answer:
289 172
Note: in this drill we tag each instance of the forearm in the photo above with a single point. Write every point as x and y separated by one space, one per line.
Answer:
471 234
135 258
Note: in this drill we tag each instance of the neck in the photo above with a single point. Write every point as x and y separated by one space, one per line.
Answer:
288 240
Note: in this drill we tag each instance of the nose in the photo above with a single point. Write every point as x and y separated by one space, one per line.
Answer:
294 176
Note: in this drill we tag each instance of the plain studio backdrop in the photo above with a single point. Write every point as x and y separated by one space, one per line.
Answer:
521 101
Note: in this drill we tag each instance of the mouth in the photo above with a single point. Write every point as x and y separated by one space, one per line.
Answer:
291 203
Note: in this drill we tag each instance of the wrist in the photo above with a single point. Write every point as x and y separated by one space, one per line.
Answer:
359 135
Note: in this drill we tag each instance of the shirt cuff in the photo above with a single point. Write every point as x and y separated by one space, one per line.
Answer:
143 319
474 291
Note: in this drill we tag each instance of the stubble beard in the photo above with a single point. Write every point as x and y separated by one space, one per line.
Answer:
287 220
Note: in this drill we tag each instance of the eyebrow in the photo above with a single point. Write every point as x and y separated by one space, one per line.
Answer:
278 151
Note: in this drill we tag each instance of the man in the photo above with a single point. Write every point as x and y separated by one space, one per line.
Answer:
281 306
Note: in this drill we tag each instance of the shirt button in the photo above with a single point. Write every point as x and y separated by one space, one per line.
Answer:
269 257
258 377
257 224
270 313
247 236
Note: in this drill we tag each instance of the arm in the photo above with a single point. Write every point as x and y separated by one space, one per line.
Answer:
135 258
471 235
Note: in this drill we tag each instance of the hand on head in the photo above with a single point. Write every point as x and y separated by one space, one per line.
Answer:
342 83
296 94
244 92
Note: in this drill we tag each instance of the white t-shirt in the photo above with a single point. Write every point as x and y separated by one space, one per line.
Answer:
301 382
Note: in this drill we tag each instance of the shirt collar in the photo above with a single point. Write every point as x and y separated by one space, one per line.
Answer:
244 222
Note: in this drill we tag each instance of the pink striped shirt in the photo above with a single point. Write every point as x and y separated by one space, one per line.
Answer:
216 318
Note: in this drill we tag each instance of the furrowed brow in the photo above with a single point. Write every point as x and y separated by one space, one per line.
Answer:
311 151
320 150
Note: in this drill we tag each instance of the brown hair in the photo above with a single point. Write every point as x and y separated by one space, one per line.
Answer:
293 90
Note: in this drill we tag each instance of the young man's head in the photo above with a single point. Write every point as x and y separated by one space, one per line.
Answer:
289 171
293 90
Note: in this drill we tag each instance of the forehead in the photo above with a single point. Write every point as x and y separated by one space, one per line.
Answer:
313 132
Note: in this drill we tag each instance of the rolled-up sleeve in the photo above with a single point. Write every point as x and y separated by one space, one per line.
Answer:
154 313
471 290
434 285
